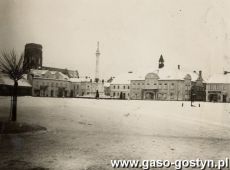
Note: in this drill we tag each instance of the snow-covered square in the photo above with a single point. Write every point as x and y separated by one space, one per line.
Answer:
88 133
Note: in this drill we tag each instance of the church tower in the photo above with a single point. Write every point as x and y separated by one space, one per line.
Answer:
161 62
32 56
97 63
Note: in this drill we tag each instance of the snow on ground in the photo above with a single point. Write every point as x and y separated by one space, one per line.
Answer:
88 133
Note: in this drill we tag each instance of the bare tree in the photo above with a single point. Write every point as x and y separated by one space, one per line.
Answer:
12 65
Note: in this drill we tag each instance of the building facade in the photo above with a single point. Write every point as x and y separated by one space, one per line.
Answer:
218 88
153 87
120 86
120 91
85 87
47 83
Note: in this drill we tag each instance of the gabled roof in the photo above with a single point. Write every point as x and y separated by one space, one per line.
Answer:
38 73
63 75
48 74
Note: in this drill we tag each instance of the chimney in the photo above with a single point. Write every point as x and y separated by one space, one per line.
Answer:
200 73
178 66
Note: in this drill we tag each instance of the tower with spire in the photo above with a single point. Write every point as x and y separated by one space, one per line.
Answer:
97 63
161 62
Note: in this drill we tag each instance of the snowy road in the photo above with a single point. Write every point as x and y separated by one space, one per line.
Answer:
87 134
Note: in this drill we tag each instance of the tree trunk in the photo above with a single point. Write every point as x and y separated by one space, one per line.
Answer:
14 109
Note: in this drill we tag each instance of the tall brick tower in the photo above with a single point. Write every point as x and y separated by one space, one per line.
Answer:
32 56
97 63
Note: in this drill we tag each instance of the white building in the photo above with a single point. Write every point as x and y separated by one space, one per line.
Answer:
120 86
49 83
85 87
162 85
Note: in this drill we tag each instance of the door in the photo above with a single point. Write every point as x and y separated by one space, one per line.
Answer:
224 98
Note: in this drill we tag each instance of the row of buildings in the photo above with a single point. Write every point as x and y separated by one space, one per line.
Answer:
48 83
172 84
161 83
153 86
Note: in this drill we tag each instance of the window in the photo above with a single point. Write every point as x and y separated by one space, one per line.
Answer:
118 87
214 87
128 87
114 87
124 87
172 84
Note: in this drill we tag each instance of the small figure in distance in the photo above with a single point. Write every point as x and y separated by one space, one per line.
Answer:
182 104
97 95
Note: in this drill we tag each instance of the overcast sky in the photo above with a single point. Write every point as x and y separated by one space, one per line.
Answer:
132 33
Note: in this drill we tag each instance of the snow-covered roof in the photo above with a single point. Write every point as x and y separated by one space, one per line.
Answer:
173 74
165 73
38 72
63 75
53 72
48 74
219 78
4 79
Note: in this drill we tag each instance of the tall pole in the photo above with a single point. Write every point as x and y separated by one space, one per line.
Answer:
97 63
